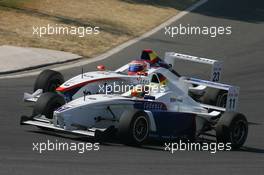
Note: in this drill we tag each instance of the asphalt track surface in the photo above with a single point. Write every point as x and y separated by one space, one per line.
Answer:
242 53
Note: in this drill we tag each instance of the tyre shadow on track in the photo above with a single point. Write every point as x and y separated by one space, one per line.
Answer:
251 150
151 145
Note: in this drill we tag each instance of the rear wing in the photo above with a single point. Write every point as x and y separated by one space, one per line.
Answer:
232 91
217 66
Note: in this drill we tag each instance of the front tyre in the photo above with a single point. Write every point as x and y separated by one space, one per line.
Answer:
47 104
134 128
48 80
232 128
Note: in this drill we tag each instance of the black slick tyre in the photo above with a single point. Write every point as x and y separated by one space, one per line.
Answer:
47 103
232 128
134 128
48 80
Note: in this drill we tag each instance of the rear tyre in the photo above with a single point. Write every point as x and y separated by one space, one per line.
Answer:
214 97
48 80
232 128
47 104
134 128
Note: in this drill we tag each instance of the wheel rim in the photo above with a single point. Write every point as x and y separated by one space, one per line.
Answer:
140 129
239 132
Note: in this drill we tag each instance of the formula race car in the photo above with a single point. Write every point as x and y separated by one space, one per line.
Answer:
144 99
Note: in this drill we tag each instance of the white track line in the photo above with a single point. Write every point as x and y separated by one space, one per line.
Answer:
118 48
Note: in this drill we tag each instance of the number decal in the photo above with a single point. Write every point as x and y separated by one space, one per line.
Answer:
216 76
232 103
216 71
232 99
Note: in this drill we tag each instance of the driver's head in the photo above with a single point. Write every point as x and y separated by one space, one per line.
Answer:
149 56
136 66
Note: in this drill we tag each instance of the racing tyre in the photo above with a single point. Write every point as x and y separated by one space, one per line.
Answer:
214 97
232 128
134 128
48 80
47 104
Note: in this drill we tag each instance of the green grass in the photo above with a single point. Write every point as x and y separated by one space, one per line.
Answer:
13 3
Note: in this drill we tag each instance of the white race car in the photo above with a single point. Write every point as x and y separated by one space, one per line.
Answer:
143 99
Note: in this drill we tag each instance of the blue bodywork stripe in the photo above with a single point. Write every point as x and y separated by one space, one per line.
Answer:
174 124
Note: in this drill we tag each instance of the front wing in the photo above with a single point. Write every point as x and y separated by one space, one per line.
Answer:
92 132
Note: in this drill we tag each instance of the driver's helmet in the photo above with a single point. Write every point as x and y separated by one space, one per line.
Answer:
136 67
150 56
